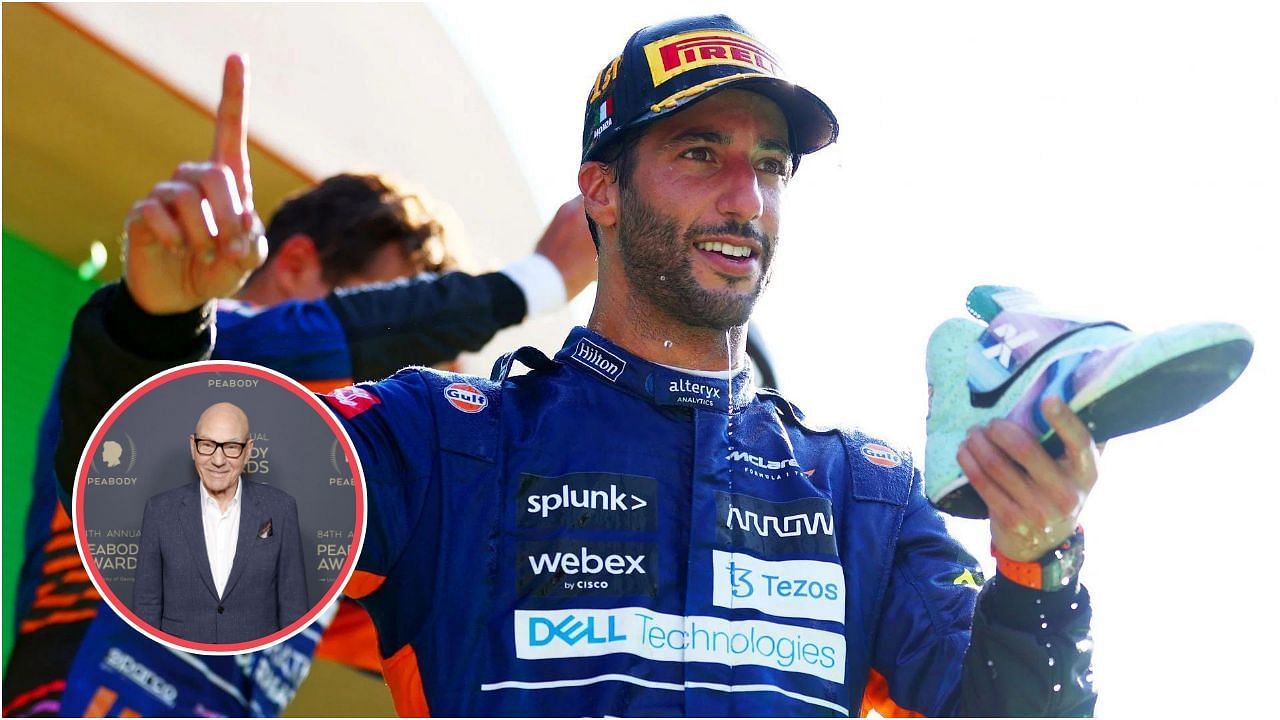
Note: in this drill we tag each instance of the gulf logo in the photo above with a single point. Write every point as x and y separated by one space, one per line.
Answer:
466 398
881 455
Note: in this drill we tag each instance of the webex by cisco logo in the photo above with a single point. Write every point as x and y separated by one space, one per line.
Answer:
564 568
587 500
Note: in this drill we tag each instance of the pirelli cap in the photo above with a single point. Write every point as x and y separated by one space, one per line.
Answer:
666 67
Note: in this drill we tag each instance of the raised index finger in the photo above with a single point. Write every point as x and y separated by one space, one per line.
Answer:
231 126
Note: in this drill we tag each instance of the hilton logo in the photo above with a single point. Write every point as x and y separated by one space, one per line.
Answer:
599 360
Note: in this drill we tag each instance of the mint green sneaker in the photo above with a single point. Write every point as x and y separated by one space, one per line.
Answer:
1117 381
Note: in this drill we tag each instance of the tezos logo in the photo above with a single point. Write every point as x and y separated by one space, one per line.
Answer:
881 455
466 398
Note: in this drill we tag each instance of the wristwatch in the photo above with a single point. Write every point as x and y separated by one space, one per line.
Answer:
1052 571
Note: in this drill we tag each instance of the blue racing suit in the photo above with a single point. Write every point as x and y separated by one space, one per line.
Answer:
604 535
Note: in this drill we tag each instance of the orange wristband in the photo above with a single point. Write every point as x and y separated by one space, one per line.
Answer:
1053 571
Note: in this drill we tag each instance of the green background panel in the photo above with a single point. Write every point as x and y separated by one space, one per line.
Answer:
41 296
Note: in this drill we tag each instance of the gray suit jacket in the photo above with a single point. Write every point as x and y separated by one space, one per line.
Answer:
173 585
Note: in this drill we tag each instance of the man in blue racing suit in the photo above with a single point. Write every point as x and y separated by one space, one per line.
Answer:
628 529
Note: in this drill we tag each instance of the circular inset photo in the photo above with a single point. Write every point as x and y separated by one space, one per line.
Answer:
219 507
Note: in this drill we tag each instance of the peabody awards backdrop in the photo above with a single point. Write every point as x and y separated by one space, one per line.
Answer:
146 451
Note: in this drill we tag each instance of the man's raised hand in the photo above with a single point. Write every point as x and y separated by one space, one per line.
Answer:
196 237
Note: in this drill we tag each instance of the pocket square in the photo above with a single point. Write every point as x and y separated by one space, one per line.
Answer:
264 532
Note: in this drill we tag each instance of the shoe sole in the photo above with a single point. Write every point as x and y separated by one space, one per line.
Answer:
1177 386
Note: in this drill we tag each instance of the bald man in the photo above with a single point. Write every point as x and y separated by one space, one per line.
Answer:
220 560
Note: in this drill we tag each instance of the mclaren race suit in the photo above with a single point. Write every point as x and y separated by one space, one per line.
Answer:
604 535
366 333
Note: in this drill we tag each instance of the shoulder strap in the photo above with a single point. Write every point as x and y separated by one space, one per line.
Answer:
529 356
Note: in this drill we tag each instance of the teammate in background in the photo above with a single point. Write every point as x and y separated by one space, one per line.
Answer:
348 230
631 530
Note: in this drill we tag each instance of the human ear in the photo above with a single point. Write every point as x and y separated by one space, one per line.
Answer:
600 196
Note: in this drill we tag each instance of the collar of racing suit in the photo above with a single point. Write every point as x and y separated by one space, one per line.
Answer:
591 353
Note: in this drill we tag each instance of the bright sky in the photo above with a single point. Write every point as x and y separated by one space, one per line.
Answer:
1120 159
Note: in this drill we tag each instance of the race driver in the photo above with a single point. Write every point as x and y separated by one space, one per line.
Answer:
627 529
348 230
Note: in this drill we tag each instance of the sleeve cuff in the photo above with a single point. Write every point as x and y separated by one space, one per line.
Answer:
154 337
540 281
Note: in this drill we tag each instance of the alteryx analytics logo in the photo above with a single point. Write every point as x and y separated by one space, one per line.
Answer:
684 391
603 501
587 632
786 588
586 568
598 359
797 527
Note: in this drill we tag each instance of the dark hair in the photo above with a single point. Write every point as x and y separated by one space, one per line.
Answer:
620 156
350 217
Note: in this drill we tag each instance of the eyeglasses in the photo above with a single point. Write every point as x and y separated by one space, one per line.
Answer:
231 449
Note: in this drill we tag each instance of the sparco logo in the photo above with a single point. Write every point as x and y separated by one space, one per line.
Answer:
142 675
746 457
770 529
598 359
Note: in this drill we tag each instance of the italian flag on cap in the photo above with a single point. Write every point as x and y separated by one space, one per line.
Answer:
606 109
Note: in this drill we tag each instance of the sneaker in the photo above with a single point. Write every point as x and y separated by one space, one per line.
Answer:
1117 381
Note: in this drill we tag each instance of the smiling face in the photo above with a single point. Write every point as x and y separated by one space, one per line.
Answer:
699 214
221 423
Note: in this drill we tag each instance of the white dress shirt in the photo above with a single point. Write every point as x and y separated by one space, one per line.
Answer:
221 534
